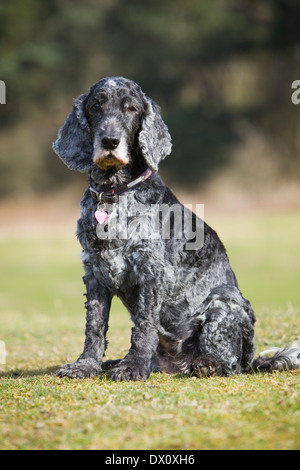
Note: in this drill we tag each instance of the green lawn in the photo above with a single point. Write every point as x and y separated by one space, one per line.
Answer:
42 325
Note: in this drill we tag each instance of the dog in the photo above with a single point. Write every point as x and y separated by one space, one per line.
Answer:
188 312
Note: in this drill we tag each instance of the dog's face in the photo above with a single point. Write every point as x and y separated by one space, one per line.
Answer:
114 113
109 124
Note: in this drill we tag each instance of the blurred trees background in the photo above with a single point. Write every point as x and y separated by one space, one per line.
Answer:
221 71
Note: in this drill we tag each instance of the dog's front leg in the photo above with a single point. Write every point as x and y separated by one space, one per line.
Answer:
136 364
97 313
144 339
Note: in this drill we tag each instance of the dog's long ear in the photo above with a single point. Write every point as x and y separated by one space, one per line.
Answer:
74 143
154 138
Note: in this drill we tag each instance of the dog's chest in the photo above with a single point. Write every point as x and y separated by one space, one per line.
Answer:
110 267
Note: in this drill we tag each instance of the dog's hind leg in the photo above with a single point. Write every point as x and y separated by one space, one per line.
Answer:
225 344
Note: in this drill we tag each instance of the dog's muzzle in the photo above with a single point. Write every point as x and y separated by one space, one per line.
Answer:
110 152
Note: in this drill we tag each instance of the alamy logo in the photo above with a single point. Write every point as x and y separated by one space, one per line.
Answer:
155 222
2 92
2 352
295 95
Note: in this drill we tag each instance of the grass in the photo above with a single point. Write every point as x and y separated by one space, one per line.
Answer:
42 325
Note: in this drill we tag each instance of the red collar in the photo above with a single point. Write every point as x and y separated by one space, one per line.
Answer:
110 197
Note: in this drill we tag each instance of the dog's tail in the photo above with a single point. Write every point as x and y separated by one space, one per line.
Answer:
283 359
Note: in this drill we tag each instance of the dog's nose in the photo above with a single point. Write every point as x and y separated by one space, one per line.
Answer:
110 143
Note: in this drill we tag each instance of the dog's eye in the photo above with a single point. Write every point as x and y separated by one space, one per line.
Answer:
132 109
96 106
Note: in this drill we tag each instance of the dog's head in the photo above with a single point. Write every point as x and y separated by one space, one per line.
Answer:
110 123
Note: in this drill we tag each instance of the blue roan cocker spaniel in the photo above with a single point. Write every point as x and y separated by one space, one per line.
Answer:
176 281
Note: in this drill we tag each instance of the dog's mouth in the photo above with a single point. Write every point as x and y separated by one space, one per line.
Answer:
108 161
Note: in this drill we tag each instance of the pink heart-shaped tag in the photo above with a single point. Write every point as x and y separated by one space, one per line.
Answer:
101 216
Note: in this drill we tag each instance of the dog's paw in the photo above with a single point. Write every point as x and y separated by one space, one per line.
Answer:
203 368
130 369
80 369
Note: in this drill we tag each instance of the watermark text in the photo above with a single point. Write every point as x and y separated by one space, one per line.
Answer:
2 92
296 94
2 353
154 222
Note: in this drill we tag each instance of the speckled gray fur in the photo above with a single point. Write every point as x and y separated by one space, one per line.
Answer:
188 313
